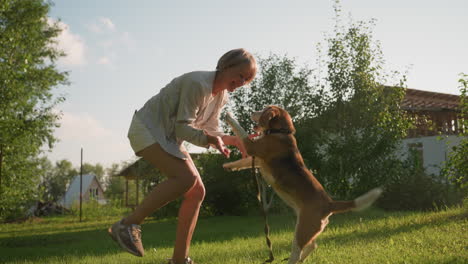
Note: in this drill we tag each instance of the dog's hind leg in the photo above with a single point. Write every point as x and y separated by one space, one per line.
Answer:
309 225
295 253
298 254
307 250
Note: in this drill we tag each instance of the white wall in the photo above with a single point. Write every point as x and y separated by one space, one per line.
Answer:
436 150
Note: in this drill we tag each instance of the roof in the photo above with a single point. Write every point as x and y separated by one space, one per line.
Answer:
73 191
131 172
425 100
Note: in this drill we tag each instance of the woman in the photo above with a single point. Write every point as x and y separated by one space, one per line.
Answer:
187 109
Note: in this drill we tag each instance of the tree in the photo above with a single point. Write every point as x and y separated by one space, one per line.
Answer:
56 179
96 169
352 141
27 76
456 168
115 184
348 122
279 82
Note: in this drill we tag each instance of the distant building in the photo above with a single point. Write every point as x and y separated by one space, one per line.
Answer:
92 190
437 126
135 172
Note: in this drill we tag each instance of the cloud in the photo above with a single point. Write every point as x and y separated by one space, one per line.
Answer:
103 24
107 23
106 44
127 40
72 44
110 42
100 144
94 28
104 61
108 59
81 126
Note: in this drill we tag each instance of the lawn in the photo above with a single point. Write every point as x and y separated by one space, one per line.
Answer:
372 236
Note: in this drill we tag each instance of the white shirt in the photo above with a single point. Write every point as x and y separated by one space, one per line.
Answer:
182 110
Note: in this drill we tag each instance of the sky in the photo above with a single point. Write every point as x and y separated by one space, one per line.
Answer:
120 53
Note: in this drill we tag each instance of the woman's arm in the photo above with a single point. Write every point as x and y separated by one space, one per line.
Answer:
191 97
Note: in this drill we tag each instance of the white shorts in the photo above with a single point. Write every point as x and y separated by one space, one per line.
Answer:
139 135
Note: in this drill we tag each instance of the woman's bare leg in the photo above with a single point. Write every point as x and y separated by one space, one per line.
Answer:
187 220
183 179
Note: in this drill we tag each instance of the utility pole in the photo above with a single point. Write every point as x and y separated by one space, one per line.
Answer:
81 183
1 161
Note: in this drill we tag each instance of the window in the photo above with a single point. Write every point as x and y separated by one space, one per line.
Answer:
93 193
417 149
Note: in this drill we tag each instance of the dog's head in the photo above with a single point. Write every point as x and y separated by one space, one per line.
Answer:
273 119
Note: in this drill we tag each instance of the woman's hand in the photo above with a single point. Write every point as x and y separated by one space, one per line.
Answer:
237 142
218 143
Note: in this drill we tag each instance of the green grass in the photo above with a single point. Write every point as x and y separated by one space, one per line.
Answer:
372 236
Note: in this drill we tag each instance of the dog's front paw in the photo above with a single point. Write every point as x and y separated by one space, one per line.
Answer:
229 166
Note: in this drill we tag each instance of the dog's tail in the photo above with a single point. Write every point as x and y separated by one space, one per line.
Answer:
358 204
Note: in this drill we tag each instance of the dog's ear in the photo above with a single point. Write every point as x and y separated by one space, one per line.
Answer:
267 115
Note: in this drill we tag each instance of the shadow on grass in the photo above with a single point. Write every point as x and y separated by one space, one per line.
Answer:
95 241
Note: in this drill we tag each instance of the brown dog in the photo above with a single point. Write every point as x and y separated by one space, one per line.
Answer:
281 165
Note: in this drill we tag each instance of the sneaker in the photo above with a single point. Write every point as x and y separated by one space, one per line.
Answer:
187 261
128 237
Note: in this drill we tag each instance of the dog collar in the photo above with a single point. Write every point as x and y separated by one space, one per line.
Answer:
277 131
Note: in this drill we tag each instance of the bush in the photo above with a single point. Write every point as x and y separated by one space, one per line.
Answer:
93 210
227 193
411 188
169 210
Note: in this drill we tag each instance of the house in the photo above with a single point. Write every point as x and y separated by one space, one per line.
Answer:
91 188
437 127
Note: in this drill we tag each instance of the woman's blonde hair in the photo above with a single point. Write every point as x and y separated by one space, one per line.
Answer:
235 57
